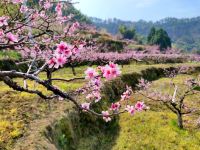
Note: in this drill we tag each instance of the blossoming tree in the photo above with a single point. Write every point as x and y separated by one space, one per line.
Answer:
40 34
175 101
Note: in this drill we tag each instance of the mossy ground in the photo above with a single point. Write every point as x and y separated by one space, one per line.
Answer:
19 110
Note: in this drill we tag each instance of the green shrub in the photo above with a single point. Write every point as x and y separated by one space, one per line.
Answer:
153 73
131 79
7 65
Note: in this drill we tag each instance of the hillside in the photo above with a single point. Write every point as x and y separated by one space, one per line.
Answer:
77 15
185 33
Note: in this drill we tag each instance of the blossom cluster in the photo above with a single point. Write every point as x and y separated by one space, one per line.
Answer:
40 44
8 36
63 53
109 71
94 75
127 94
115 107
143 84
93 91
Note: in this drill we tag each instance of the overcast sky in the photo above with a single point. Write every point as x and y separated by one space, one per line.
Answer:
134 10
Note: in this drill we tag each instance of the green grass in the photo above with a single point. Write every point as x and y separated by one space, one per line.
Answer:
157 129
154 130
19 109
10 55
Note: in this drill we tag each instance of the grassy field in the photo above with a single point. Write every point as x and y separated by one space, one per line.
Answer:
19 111
157 128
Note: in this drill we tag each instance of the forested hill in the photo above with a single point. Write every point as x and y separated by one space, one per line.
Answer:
70 10
185 33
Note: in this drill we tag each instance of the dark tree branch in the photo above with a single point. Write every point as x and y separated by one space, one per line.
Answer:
66 80
7 75
7 80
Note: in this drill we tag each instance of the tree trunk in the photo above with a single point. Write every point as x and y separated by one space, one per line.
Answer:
49 76
73 71
180 120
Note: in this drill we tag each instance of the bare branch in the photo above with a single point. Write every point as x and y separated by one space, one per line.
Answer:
16 87
67 80
40 69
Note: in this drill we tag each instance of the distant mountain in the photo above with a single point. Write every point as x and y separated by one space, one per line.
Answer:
185 33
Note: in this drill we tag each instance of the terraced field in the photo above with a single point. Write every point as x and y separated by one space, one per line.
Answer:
25 116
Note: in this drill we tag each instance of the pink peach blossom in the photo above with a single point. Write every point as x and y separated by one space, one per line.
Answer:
115 106
127 94
68 53
111 71
51 62
61 47
139 106
94 96
58 9
3 21
1 33
23 9
75 50
96 82
12 37
97 96
47 5
91 73
85 106
74 27
130 109
106 116
60 61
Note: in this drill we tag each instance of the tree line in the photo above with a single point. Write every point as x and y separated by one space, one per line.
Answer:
155 37
184 33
